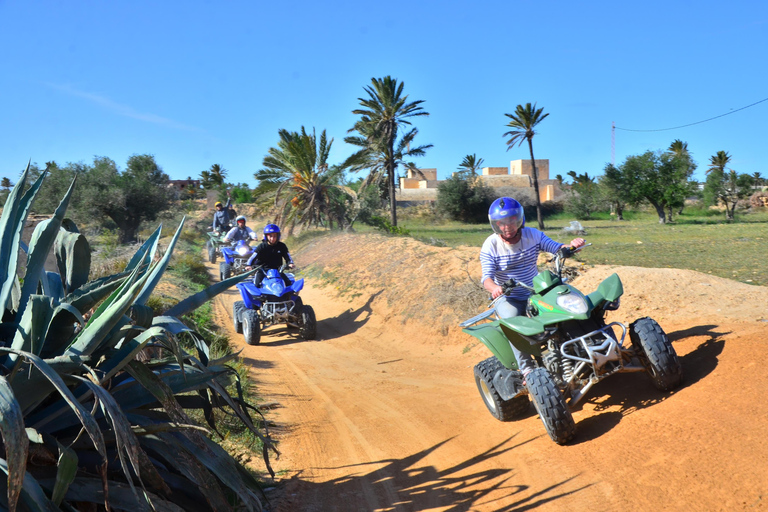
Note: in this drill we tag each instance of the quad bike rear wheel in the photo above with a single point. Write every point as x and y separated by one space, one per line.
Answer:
551 406
251 327
308 323
502 410
656 353
237 316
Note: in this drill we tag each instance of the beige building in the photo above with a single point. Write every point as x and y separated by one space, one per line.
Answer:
519 174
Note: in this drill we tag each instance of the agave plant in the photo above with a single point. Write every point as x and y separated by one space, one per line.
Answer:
85 425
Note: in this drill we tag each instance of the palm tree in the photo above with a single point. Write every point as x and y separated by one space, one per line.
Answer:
756 176
471 165
523 122
679 148
719 161
384 111
305 183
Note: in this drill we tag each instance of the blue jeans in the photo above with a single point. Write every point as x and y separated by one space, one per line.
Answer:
507 309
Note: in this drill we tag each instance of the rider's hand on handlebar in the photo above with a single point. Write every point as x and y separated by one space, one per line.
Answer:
496 291
291 266
577 242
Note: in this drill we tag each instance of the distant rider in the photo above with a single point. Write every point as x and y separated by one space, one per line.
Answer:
241 232
511 252
221 219
270 253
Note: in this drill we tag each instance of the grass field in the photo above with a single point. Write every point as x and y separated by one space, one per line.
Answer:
697 240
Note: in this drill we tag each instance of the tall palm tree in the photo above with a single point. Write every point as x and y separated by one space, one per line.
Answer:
383 113
523 122
719 161
305 182
471 165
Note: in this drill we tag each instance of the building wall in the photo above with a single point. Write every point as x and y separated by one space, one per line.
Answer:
495 171
525 167
429 174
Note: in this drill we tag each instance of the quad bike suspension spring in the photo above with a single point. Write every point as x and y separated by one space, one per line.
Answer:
567 366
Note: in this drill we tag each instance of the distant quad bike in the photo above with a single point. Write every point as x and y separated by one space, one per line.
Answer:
572 347
235 259
272 303
212 246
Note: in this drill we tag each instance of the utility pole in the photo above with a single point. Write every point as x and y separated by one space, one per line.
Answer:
613 143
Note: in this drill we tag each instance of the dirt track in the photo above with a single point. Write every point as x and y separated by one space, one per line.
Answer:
384 415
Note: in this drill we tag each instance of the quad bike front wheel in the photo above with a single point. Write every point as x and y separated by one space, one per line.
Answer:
502 410
551 406
211 251
656 353
225 271
237 316
308 323
251 327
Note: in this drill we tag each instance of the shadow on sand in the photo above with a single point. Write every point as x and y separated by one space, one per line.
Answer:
630 392
409 484
346 323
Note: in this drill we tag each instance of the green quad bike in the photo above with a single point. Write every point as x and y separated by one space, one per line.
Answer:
572 348
215 240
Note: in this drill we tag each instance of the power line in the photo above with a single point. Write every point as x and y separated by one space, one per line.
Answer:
697 122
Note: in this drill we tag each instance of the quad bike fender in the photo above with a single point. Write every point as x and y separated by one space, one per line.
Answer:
297 285
491 336
607 291
517 327
247 291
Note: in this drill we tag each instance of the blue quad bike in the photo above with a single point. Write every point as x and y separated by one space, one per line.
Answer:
270 304
235 259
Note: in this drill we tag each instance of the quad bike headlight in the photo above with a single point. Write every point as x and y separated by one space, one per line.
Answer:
242 250
573 303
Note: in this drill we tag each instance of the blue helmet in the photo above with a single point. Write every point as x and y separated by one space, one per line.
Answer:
271 228
507 210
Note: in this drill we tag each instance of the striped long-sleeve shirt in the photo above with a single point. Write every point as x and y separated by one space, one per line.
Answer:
501 261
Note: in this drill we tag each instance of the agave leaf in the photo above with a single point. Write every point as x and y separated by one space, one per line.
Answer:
73 258
126 442
32 494
15 439
162 388
117 293
52 285
40 246
66 470
12 222
157 272
88 422
61 329
146 253
33 327
219 463
176 327
89 490
106 317
195 301
110 367
87 296
176 455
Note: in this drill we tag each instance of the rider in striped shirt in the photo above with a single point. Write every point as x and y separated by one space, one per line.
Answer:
511 252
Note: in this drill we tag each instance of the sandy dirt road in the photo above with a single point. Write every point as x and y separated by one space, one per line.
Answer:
375 415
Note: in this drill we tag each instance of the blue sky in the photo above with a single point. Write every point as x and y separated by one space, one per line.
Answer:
202 82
